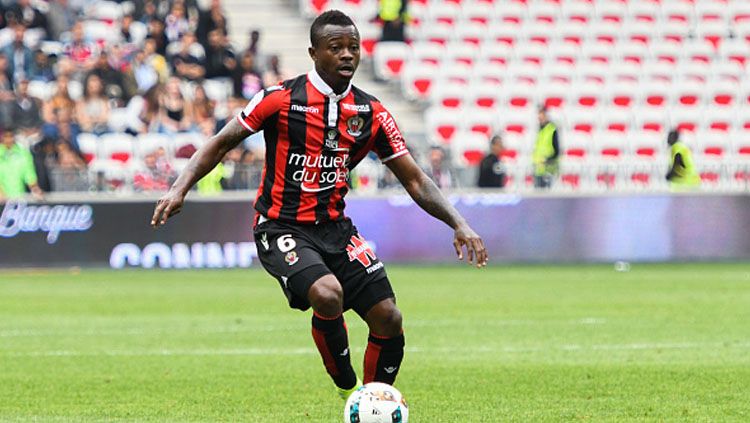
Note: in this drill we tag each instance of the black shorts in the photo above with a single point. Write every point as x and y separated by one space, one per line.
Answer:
298 255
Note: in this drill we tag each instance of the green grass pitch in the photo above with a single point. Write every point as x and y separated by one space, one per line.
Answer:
518 343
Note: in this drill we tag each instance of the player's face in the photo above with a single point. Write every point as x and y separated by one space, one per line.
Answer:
336 56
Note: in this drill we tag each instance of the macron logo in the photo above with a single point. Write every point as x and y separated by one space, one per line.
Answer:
356 107
305 109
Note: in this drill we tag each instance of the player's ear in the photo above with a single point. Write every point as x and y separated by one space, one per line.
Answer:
311 52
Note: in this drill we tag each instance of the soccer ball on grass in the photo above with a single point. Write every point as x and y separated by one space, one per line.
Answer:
376 403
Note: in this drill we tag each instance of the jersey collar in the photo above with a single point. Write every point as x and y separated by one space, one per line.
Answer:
326 90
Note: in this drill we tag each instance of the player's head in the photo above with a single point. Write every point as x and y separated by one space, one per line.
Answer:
673 136
334 47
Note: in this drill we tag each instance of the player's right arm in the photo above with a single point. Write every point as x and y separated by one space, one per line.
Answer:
205 159
250 120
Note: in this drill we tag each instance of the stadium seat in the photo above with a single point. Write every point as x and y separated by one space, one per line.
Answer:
721 119
442 124
480 121
485 95
426 53
148 143
497 53
186 143
119 119
553 95
89 146
611 12
648 145
389 58
643 12
468 149
461 54
489 73
449 96
369 34
677 13
686 119
471 34
417 80
118 147
477 14
313 8
734 51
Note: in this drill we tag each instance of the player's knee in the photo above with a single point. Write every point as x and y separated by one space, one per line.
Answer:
392 321
326 296
387 320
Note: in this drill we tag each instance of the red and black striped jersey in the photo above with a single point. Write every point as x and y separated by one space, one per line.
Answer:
314 138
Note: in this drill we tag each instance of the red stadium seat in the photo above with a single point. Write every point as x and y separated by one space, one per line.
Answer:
389 58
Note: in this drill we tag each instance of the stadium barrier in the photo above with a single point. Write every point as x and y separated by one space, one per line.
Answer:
216 233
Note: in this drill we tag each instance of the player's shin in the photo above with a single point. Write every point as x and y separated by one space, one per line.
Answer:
383 358
332 340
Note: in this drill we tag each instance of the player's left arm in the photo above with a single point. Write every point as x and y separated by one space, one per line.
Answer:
428 196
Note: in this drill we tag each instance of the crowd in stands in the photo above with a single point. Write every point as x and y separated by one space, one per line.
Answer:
75 69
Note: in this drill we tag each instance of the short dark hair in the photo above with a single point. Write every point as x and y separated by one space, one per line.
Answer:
673 136
329 17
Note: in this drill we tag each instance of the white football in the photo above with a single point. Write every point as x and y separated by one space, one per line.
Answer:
376 403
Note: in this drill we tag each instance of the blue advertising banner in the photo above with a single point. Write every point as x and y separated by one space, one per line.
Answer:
217 233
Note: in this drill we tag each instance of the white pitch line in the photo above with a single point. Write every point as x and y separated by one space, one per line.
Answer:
17 333
418 350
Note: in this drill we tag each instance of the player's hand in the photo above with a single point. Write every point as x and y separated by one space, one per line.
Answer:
167 206
476 254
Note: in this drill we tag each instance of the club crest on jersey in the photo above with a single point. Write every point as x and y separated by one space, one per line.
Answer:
354 126
291 258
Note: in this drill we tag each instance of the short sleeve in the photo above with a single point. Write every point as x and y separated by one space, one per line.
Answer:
263 105
389 142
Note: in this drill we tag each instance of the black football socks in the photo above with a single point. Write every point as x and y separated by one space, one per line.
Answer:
383 358
331 338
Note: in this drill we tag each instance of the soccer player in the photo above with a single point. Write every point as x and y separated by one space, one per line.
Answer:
317 127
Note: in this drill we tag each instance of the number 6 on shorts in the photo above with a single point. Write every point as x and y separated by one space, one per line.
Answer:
286 243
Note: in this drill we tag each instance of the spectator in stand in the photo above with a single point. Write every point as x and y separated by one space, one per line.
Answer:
156 33
174 112
176 22
62 128
29 16
275 73
247 80
41 68
60 100
26 114
220 59
126 33
147 13
546 151
144 111
3 21
237 166
61 18
189 61
209 20
6 92
437 169
92 111
393 15
155 60
112 80
144 74
156 175
16 169
20 58
492 171
261 59
203 110
81 53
